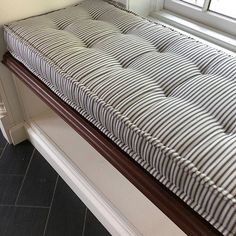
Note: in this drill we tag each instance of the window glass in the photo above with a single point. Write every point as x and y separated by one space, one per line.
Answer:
195 2
224 7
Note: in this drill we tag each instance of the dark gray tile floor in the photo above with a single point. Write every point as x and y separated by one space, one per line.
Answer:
35 201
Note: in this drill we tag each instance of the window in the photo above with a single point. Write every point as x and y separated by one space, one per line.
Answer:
224 7
218 14
195 2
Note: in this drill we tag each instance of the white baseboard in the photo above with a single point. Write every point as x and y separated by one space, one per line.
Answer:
18 133
15 134
4 128
98 204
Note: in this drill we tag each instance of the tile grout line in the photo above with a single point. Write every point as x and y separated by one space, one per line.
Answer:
50 207
12 175
3 150
23 181
85 218
21 206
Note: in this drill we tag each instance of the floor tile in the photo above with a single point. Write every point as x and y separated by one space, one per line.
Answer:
2 141
21 221
37 188
1 150
67 213
15 159
93 226
39 183
9 188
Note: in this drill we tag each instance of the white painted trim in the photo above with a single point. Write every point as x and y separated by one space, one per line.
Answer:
100 206
144 8
206 5
9 97
123 3
221 39
159 5
208 18
17 133
4 128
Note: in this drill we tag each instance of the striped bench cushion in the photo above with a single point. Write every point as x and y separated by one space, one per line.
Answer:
166 99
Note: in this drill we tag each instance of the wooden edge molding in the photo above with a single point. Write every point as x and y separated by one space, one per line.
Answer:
178 211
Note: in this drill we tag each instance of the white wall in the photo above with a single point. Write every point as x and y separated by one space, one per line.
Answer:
11 10
17 9
139 6
144 7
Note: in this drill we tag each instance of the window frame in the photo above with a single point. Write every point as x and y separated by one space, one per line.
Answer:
202 15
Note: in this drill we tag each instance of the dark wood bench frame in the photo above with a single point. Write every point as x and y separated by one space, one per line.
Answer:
178 211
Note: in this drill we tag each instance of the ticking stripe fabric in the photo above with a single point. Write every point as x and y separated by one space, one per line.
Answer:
164 98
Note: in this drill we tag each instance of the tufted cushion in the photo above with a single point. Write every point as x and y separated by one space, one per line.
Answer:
164 98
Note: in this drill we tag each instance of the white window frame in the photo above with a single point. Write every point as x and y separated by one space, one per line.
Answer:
212 28
202 15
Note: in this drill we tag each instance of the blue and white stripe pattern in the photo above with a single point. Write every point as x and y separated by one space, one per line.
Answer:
164 98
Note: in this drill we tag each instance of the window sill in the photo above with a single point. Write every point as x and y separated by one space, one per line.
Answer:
221 40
